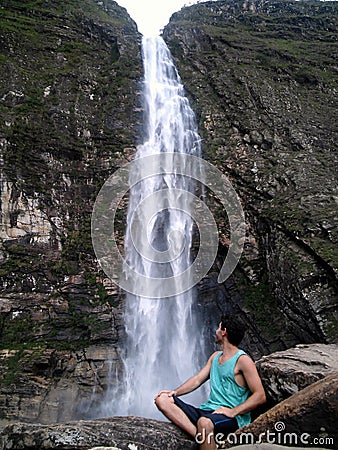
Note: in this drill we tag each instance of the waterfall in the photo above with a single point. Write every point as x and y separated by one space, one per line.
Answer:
164 340
167 222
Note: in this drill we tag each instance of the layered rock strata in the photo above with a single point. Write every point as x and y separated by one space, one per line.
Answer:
262 79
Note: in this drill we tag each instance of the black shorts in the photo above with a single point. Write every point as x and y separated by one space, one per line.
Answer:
222 423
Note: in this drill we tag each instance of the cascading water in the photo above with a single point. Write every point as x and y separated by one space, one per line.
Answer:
164 344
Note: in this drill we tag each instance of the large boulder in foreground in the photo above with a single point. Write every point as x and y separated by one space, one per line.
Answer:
307 418
287 372
121 433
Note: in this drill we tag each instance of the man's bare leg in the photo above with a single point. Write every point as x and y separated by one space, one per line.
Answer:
205 434
168 407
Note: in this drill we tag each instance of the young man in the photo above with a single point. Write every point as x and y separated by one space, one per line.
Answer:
235 390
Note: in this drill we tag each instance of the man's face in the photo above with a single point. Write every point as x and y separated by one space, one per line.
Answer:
219 334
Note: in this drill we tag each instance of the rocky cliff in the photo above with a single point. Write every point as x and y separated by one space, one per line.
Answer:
262 79
70 115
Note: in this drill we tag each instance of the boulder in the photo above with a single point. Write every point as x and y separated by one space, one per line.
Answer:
119 433
286 372
308 417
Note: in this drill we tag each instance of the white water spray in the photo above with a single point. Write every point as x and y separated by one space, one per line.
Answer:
164 344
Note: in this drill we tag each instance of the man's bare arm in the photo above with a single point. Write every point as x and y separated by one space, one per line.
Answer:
192 383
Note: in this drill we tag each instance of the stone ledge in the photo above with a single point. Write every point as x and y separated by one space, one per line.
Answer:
121 433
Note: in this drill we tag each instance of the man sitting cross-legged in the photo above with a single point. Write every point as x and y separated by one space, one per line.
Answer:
235 390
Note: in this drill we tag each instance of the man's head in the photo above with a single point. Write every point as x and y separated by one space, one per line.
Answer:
234 328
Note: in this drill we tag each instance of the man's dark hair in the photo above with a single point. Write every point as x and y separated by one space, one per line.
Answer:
234 326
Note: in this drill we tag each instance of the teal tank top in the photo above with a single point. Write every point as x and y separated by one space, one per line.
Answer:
224 390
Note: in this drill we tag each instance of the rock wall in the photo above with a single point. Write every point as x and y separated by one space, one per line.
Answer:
50 386
70 115
262 79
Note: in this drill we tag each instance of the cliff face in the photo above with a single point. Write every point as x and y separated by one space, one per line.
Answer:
262 78
69 102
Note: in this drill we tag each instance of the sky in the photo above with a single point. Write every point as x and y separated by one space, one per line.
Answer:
152 15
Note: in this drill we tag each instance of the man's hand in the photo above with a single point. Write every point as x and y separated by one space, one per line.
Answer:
229 412
165 392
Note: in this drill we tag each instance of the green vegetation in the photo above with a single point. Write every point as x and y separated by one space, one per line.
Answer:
19 260
263 305
325 249
16 332
12 366
73 327
331 327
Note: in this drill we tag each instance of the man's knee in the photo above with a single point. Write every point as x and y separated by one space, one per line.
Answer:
163 402
206 424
